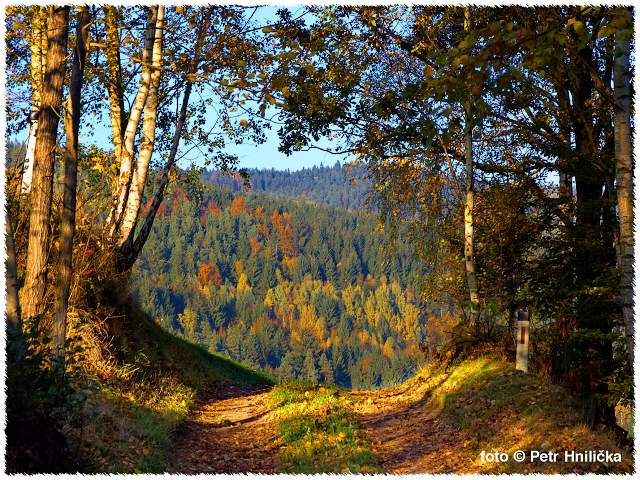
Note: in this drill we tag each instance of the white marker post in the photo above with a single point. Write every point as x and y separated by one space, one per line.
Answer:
522 337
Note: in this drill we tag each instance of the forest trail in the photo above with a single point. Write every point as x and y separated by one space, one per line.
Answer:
228 432
437 422
407 432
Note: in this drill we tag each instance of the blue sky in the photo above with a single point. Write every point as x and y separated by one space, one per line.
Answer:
249 155
267 156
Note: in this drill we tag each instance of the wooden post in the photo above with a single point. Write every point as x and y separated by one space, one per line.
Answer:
522 340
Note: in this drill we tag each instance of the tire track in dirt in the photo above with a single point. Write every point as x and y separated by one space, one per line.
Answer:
407 433
228 432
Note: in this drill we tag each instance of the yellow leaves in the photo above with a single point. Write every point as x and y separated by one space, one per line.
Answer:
460 60
243 283
244 123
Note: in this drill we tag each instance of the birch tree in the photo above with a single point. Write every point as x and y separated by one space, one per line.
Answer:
469 260
132 205
624 170
126 159
38 54
135 246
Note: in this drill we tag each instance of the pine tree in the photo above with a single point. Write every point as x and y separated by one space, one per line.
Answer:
309 369
288 368
326 371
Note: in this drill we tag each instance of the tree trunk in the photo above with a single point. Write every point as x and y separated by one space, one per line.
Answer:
129 257
469 260
138 181
14 321
127 154
624 177
34 289
38 52
68 220
114 77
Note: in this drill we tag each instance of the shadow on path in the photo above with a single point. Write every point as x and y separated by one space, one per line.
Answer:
227 433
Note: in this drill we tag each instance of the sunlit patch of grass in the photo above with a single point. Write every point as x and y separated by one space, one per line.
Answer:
318 430
500 409
130 427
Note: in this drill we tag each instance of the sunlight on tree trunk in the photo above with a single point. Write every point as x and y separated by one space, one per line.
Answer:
624 176
38 51
35 281
469 261
139 178
114 77
68 220
132 253
126 159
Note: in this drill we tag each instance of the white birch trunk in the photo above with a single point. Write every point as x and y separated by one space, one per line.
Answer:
127 156
469 260
624 177
134 199
38 51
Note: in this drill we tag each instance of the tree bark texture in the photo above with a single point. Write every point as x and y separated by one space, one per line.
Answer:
139 178
624 178
126 160
69 183
38 53
34 289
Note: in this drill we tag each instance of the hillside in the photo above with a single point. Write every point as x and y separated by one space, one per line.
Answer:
167 310
338 186
301 290
131 384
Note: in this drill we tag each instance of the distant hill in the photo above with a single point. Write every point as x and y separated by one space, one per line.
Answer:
338 186
300 290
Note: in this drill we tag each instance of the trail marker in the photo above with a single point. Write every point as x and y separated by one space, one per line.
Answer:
522 340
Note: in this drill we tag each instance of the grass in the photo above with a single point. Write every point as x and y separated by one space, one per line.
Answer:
129 417
498 408
318 430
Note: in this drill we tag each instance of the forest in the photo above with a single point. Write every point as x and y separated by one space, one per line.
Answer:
345 187
170 309
300 290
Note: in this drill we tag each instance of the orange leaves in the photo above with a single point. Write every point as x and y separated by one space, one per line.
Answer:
255 245
209 274
211 210
286 234
238 206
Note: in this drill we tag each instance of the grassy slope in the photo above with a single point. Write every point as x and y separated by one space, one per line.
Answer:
479 404
129 417
487 405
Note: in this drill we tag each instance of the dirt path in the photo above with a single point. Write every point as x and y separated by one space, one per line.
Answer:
407 434
227 433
